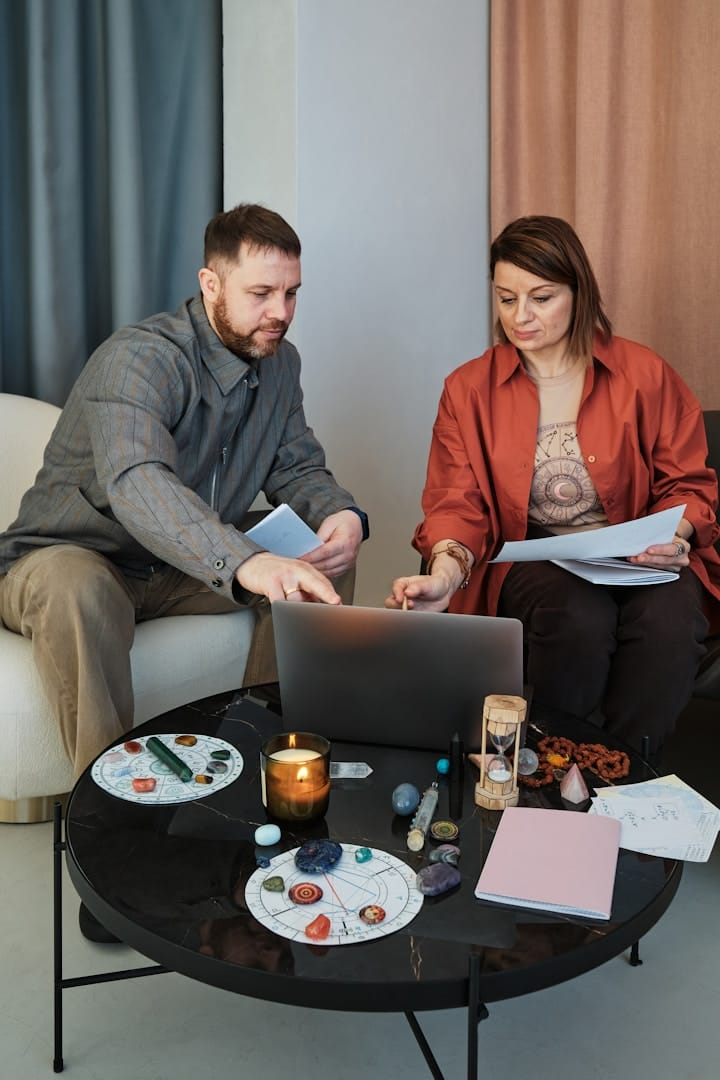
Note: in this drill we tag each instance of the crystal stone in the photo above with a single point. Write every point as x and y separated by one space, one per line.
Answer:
527 761
437 879
447 853
405 799
573 787
316 856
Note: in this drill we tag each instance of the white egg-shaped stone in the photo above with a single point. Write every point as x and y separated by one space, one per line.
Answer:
265 835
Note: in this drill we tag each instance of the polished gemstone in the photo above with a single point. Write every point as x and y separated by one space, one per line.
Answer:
305 892
363 854
444 830
221 755
372 914
442 766
274 883
437 878
144 783
405 799
262 861
447 853
133 747
216 767
318 929
316 856
265 835
527 761
203 778
573 787
186 740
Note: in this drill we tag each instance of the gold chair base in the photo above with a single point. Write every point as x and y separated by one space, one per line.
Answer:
30 811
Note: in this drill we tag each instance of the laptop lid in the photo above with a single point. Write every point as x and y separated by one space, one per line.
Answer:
397 678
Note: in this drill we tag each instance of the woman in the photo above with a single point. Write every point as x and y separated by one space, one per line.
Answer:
561 427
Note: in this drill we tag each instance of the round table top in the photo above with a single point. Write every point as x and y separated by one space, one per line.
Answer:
169 881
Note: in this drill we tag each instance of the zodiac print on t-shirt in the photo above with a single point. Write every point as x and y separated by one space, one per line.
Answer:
562 493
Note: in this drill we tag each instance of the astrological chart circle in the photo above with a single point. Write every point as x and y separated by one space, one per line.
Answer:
348 888
115 770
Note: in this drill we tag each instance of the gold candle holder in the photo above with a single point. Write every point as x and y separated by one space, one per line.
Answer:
295 776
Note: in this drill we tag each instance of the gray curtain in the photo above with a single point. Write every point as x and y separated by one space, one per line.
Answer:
110 168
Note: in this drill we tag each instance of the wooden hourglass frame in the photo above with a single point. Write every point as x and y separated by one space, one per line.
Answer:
502 715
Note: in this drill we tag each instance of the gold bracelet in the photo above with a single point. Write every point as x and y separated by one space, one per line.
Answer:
456 552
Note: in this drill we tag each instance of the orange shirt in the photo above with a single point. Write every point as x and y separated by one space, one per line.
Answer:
641 433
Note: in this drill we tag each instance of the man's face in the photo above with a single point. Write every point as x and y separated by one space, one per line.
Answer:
251 303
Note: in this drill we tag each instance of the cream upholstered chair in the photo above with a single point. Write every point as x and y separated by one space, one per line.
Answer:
174 660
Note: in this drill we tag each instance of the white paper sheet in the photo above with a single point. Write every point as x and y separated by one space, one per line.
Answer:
615 572
284 533
663 817
612 541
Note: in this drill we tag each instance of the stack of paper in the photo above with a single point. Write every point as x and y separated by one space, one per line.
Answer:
663 817
599 555
555 860
284 533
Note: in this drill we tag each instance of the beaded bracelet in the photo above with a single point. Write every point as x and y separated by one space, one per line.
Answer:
456 552
557 752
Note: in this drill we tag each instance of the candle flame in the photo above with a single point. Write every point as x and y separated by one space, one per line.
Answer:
291 739
302 774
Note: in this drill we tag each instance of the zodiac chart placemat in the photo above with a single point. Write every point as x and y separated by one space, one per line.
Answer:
133 772
354 899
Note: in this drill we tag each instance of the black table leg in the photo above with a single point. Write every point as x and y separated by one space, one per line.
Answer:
58 848
476 1012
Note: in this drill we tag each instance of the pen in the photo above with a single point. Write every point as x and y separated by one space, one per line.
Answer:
160 750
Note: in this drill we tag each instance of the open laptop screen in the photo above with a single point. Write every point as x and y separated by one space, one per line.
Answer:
399 678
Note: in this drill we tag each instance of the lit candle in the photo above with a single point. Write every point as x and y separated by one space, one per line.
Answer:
295 776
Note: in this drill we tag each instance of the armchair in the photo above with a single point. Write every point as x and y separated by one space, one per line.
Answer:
174 660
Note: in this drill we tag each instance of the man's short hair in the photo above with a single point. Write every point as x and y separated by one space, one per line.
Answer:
255 226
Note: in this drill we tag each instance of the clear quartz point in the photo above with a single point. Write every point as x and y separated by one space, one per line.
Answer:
349 770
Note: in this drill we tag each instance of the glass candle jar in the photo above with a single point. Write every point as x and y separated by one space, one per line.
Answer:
295 776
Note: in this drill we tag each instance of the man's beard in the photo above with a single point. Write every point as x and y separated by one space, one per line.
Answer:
245 346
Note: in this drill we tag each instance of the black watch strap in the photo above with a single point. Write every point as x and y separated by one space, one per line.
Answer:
363 518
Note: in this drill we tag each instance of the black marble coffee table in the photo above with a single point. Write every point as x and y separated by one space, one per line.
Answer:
169 881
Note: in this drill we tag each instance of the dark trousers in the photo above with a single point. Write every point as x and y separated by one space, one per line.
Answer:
628 652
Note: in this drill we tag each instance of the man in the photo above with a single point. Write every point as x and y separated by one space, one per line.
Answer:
171 431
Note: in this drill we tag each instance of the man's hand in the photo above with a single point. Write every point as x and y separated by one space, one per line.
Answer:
341 534
279 578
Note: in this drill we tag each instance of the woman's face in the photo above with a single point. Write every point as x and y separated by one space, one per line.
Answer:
535 314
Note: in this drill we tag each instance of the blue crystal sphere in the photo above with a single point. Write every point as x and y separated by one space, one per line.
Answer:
405 799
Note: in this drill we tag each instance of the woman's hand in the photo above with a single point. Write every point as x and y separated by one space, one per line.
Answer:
450 563
671 556
423 592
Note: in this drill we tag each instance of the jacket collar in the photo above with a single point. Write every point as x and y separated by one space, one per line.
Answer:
508 358
226 369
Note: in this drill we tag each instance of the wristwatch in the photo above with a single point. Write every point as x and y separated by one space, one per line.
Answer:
363 518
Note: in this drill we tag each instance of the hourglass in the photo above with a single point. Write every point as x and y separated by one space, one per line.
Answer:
502 719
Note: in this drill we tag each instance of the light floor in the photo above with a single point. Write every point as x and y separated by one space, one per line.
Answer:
660 1021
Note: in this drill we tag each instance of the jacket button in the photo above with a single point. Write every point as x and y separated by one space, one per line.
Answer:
219 564
216 583
591 458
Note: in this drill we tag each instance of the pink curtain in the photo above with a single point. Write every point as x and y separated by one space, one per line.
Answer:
607 113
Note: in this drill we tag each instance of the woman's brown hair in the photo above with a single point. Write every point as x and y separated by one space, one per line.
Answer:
549 248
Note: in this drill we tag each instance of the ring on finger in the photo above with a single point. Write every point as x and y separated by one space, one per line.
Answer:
289 592
679 549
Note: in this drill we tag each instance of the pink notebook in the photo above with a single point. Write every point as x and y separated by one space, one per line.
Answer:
556 860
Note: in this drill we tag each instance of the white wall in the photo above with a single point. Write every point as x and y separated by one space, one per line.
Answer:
366 125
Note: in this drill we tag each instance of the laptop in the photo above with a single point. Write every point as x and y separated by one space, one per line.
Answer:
396 678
